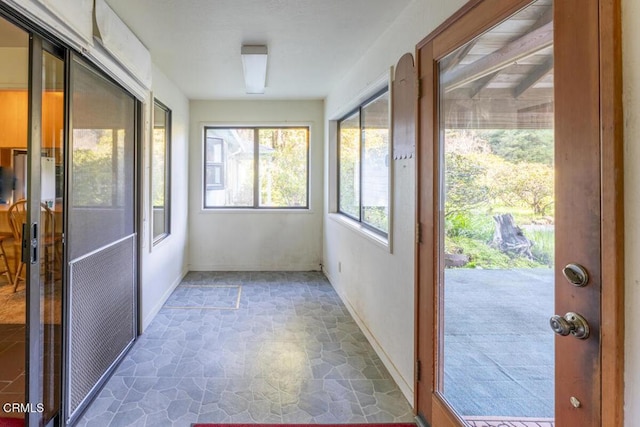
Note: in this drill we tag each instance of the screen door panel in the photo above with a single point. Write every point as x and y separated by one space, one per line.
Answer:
102 240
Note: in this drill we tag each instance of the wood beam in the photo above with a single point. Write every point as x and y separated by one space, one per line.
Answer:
545 18
482 83
456 57
533 77
518 49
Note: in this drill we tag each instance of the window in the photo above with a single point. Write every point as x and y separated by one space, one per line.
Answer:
160 167
363 163
214 175
255 167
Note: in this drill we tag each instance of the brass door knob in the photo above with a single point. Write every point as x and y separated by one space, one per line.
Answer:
572 323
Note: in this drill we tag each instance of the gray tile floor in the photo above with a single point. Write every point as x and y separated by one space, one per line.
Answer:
289 353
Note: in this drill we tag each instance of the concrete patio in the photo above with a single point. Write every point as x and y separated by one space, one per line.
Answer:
499 348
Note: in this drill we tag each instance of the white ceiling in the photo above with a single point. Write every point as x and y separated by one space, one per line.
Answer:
312 43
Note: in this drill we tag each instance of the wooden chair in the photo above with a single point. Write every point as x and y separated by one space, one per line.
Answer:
49 240
3 256
17 217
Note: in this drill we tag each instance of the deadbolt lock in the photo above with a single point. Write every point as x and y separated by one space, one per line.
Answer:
572 323
576 275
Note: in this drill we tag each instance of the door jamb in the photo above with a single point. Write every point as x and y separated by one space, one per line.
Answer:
612 213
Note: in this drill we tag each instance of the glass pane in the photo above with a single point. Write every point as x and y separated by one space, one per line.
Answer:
14 86
283 157
233 152
349 164
51 182
497 145
213 177
159 172
102 169
375 163
214 150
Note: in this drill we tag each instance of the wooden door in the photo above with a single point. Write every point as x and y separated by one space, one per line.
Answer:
473 52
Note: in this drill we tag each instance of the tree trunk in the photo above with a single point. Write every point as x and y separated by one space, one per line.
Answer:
508 237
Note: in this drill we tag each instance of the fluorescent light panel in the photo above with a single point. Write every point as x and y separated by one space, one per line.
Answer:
254 64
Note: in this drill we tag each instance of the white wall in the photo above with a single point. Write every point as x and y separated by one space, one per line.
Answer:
256 239
631 93
378 285
14 73
165 264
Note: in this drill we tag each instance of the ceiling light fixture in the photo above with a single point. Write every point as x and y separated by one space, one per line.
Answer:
254 64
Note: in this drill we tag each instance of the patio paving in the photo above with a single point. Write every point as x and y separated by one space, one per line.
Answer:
499 348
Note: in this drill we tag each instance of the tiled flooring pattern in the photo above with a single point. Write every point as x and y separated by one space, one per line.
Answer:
290 353
12 378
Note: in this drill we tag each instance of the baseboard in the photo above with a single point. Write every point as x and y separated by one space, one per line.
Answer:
269 267
156 309
405 388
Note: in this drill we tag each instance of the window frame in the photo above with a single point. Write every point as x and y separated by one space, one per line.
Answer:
220 165
361 147
167 173
256 168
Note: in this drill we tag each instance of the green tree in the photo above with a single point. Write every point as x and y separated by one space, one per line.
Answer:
465 183
93 174
283 166
521 145
530 184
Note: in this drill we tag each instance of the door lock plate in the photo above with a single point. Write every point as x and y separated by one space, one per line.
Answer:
576 275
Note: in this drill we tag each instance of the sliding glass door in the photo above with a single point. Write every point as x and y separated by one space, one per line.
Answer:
68 240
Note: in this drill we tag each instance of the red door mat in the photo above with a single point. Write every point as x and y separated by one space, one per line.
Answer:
306 425
11 422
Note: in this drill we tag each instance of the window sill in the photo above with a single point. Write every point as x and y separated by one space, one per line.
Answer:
361 230
207 211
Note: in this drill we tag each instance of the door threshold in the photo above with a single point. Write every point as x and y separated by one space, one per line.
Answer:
488 421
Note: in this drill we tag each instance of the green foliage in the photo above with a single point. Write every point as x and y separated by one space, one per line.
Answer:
465 183
349 170
93 172
474 226
521 145
529 184
158 164
283 169
481 255
497 171
543 248
377 217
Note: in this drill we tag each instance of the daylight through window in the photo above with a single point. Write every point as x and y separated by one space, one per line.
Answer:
160 171
363 159
251 167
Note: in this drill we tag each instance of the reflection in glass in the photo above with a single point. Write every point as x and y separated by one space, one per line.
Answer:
349 164
497 144
375 163
14 67
229 167
51 211
102 172
160 183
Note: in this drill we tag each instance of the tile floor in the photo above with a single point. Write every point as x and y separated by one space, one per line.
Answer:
12 378
289 353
